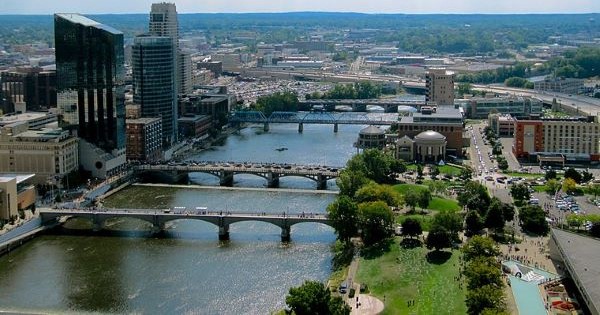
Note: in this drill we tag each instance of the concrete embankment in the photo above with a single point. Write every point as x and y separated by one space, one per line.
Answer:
21 235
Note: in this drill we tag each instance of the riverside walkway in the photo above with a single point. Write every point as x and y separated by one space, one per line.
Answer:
159 217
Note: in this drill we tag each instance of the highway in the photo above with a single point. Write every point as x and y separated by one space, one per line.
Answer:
585 105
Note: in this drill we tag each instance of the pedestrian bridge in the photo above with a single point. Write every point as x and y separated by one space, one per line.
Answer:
159 218
272 172
302 118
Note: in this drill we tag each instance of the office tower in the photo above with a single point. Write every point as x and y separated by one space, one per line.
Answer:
440 86
163 22
91 90
154 82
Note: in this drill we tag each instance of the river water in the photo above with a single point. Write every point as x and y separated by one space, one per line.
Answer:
190 271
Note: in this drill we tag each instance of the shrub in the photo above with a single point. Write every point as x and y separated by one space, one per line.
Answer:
351 293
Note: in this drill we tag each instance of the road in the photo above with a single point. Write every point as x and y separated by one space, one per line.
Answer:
585 105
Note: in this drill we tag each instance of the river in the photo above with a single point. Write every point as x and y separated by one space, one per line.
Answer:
190 271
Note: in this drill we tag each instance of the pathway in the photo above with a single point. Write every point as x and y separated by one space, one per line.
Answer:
361 304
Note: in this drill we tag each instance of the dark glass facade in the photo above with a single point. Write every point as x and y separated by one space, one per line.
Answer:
90 79
154 82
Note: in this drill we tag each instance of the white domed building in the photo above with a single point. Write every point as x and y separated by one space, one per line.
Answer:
427 146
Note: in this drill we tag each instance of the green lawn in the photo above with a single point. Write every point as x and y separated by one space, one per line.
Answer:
424 219
437 203
449 170
405 274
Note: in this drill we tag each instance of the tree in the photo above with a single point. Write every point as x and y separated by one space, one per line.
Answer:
516 82
343 213
508 212
337 306
312 297
520 192
573 174
419 171
483 271
586 176
502 164
533 220
424 198
552 186
450 221
473 223
480 246
475 197
569 185
376 222
279 101
411 198
411 227
438 238
466 173
376 192
485 297
434 171
594 189
550 174
464 88
350 181
494 218
595 230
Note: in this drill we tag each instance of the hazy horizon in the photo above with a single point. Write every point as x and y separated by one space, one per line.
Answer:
289 6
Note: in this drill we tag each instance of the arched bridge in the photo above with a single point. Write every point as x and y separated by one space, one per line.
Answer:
270 171
158 218
360 105
302 118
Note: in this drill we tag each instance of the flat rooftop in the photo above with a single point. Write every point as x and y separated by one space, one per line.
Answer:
20 177
28 116
144 120
582 253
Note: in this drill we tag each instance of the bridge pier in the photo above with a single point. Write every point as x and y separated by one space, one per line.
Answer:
266 127
285 233
224 232
96 223
335 127
321 182
273 180
300 127
226 178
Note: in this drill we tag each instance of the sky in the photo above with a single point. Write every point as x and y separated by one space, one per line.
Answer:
243 6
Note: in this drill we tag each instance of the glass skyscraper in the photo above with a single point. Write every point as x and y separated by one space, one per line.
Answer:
90 80
154 82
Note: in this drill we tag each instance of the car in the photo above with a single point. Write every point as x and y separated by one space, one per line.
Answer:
489 178
343 288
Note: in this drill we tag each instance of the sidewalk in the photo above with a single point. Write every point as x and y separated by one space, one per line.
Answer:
361 304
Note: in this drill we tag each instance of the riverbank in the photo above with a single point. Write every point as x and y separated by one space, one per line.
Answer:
20 235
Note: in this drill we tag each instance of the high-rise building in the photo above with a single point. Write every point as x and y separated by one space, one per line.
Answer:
144 139
91 90
32 87
163 22
154 82
440 86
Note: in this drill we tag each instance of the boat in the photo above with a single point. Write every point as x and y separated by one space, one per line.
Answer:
281 149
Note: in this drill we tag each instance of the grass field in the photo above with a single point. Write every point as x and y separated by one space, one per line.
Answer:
424 219
524 175
449 170
405 274
436 204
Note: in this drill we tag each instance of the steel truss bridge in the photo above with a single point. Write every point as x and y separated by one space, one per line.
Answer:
301 118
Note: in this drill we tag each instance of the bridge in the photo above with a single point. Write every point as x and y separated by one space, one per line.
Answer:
302 118
358 105
159 219
225 171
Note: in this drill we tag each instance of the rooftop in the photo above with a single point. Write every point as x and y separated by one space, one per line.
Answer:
144 121
582 253
20 177
371 130
28 116
82 20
